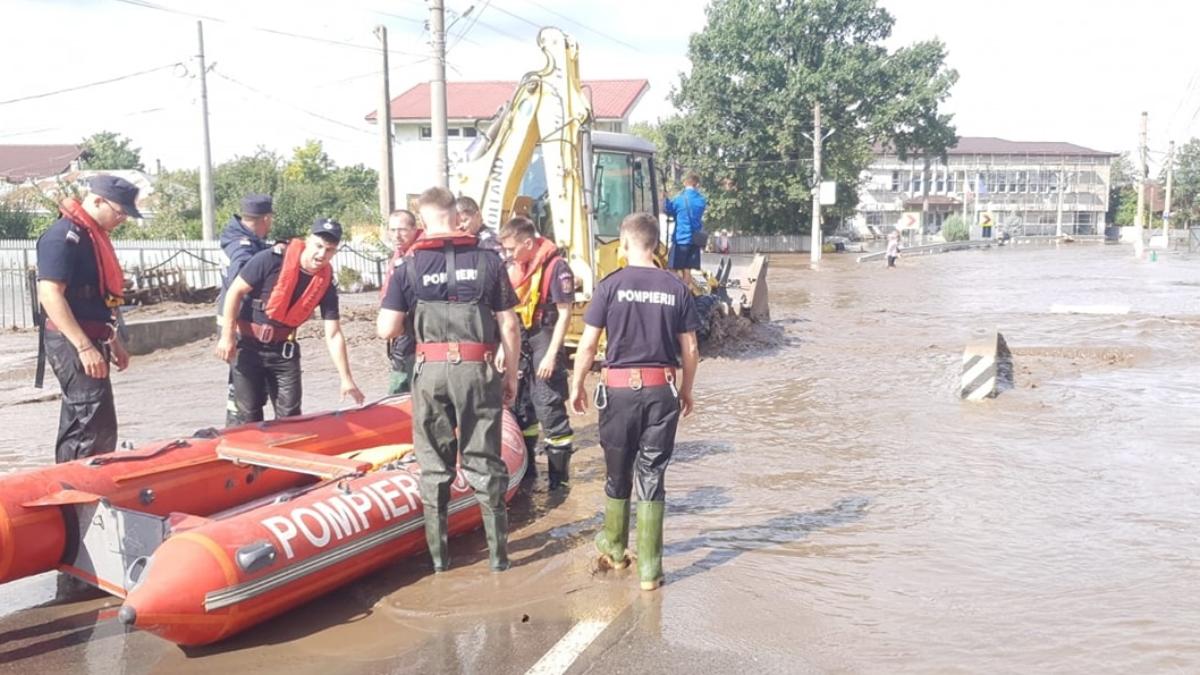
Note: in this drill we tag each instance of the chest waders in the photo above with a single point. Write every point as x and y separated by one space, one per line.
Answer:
456 388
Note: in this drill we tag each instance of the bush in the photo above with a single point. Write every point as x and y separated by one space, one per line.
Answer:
349 280
955 229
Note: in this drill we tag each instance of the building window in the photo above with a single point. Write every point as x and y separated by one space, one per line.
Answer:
916 182
470 132
426 133
895 181
941 181
950 182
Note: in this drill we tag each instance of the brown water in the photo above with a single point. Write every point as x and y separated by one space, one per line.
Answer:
833 506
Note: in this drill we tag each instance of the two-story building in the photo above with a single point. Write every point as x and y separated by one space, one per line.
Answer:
469 107
1016 186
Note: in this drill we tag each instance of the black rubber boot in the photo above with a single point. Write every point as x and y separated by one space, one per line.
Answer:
495 527
612 541
437 538
531 445
558 462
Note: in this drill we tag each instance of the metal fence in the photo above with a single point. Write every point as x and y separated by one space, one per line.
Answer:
778 243
201 263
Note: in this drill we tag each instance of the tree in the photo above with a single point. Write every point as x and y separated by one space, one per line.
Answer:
109 151
1122 193
955 229
1185 197
758 69
309 163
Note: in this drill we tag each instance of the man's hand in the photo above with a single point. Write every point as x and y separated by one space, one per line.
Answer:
686 403
510 388
225 348
579 400
546 367
500 360
93 363
350 389
120 355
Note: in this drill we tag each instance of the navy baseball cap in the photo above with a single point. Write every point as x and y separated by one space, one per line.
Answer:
257 206
328 227
117 190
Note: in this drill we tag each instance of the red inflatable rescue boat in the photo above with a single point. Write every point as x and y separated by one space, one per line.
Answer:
205 537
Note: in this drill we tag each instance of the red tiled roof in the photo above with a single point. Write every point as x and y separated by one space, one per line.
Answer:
611 99
21 162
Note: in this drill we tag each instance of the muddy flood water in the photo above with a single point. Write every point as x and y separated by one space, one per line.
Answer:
833 505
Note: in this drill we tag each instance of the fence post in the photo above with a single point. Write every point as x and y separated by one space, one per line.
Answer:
379 273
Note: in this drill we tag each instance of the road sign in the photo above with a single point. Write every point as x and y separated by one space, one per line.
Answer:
909 220
828 193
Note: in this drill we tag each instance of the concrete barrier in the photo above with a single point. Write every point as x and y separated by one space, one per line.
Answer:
151 334
987 368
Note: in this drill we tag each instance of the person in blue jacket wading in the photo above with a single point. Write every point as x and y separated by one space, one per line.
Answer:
687 239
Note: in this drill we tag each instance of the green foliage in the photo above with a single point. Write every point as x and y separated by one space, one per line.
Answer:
954 228
758 68
110 151
1185 196
348 278
1122 197
306 187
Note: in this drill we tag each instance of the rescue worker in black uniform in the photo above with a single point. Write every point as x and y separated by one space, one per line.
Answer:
244 236
545 288
461 304
79 284
650 319
402 231
285 285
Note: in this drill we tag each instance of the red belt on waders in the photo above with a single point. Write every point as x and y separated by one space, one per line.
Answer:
270 335
633 378
95 330
455 352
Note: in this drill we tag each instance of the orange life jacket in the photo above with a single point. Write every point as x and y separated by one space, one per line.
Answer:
531 282
111 278
278 308
437 242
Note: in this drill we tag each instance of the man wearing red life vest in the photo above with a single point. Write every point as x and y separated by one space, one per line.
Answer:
285 285
545 288
80 282
461 306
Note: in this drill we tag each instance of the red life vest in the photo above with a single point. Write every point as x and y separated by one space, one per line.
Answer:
532 283
111 278
277 308
437 242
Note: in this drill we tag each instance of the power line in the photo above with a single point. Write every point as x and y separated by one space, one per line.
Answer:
89 85
518 17
471 24
587 28
300 36
290 104
28 132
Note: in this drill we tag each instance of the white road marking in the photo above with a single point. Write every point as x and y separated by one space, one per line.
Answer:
563 654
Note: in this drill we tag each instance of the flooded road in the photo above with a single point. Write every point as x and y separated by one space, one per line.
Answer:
833 506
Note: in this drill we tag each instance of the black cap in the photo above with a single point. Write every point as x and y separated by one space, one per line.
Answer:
117 190
257 205
328 227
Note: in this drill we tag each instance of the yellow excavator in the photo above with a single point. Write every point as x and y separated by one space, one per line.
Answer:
539 157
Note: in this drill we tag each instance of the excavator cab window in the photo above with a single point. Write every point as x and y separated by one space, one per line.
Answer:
614 192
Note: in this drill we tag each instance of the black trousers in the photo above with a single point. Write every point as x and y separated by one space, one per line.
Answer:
264 371
87 418
637 432
543 401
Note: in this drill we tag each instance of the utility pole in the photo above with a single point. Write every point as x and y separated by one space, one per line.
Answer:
1139 218
817 140
207 208
384 118
1167 205
1062 187
437 92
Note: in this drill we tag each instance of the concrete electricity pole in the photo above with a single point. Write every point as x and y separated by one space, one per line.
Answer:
1140 219
207 208
818 139
1167 205
437 92
1062 188
384 119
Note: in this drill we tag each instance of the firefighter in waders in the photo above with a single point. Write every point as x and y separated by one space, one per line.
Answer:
402 231
461 304
285 285
79 285
243 237
650 319
545 288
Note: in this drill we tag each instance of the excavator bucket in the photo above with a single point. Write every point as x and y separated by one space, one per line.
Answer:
754 303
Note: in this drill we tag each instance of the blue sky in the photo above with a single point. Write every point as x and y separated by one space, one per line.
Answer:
1070 70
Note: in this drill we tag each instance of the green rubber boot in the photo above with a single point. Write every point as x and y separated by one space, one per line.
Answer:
612 541
495 528
650 546
437 539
